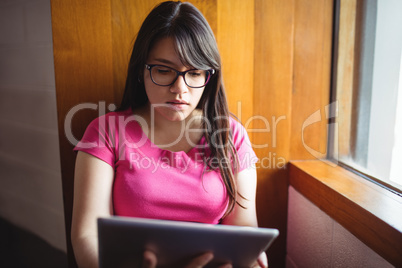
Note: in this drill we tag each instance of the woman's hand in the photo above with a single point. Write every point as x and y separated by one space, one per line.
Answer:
150 261
262 261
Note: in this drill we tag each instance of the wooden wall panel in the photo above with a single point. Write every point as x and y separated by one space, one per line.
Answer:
235 37
83 70
345 73
311 79
272 101
291 82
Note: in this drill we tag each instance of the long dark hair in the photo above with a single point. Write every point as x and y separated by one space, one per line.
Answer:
196 47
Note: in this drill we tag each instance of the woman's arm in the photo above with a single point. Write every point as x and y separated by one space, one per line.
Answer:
247 186
93 181
246 181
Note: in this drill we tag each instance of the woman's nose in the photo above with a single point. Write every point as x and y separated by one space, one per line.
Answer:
179 86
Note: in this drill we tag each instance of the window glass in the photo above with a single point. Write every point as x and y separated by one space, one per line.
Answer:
368 88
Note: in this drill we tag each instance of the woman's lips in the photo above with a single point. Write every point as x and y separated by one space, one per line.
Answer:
178 104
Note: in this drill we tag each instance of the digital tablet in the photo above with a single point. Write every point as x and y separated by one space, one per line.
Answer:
122 242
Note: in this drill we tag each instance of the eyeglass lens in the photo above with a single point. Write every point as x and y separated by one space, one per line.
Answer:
165 76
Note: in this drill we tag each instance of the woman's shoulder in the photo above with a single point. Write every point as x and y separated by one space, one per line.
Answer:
238 131
235 124
114 120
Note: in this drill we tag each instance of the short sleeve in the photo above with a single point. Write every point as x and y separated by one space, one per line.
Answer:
246 155
98 140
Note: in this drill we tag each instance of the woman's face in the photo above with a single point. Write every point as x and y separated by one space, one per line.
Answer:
177 101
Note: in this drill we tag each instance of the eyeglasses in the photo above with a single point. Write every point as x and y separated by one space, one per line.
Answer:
165 76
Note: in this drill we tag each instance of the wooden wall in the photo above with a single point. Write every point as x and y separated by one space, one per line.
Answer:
292 61
276 64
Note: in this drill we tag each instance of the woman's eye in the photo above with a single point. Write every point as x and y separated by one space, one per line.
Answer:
163 71
195 73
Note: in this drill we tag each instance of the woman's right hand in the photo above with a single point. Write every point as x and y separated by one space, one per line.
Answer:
150 260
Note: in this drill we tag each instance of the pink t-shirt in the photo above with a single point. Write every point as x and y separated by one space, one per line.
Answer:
151 182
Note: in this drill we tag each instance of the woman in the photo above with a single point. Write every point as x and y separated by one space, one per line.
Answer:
171 151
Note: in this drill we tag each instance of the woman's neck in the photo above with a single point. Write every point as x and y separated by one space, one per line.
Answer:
172 135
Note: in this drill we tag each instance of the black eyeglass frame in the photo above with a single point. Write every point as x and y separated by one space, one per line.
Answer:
150 66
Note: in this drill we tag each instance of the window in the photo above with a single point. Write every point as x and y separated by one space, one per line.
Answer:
367 89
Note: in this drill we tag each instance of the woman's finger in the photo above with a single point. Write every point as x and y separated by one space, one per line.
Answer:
149 260
263 260
201 260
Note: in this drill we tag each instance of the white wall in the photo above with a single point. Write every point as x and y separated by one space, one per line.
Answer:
30 177
316 240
